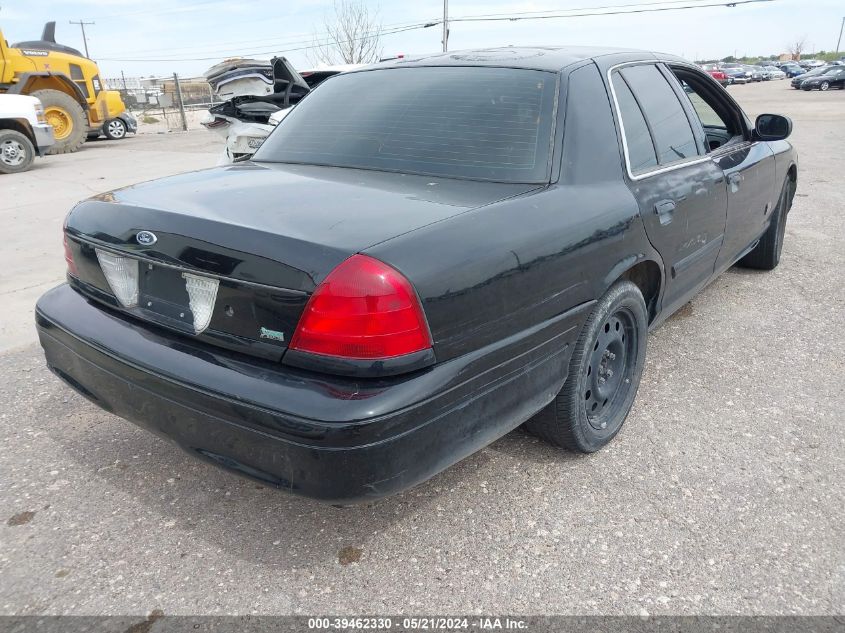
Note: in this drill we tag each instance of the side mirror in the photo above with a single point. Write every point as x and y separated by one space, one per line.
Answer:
772 127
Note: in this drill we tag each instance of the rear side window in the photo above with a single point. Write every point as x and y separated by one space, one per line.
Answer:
467 122
670 127
641 154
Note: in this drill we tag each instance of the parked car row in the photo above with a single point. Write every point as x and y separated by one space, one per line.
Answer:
823 78
734 73
805 75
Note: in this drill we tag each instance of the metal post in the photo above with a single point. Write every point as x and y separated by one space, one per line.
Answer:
445 25
181 104
839 41
82 24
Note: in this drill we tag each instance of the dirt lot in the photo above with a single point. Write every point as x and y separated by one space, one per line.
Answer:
723 494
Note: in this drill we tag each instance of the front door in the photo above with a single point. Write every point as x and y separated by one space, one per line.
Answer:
750 173
748 166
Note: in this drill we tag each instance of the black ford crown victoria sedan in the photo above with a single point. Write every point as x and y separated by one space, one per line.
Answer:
421 257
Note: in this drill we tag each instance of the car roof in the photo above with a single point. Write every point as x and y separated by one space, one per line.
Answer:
547 58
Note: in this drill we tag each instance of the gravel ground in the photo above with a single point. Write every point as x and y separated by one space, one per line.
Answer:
722 495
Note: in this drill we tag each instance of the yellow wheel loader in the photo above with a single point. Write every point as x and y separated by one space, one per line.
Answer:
68 85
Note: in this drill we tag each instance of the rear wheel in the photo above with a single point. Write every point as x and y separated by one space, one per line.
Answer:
114 129
604 373
16 152
766 255
70 125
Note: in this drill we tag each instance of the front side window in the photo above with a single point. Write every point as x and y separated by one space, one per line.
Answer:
721 123
466 122
670 127
709 117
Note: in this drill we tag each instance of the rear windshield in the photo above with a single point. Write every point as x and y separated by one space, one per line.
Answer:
465 122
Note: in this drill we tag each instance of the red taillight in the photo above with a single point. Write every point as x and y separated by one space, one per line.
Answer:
364 309
71 265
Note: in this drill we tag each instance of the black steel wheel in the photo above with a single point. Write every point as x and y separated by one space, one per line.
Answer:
609 371
604 374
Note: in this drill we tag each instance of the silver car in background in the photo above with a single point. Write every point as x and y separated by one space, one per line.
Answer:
774 72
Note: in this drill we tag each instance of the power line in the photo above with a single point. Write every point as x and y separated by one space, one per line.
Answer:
610 6
516 17
289 50
504 17
286 41
275 41
215 47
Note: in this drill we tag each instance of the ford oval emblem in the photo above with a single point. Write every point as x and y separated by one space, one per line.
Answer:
146 238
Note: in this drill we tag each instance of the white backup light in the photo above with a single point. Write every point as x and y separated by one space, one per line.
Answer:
202 293
122 275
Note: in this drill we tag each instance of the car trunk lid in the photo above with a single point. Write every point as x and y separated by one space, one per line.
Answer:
268 235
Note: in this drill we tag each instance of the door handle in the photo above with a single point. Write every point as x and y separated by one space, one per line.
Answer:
665 209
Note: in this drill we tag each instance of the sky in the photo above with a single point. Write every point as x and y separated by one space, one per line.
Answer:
160 37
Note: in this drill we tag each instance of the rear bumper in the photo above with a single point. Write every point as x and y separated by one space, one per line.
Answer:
334 439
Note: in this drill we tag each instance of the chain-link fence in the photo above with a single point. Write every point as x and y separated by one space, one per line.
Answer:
170 103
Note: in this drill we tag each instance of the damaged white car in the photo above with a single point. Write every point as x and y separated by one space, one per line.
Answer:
257 95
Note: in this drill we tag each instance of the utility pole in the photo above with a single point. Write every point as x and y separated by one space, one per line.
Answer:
82 24
445 25
181 103
839 41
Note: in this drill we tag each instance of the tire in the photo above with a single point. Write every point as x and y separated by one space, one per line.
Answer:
766 255
114 129
93 136
70 125
604 373
16 152
824 86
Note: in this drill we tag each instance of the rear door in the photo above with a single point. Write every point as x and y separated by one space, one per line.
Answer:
680 191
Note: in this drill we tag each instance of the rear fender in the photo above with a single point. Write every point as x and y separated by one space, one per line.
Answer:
644 252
